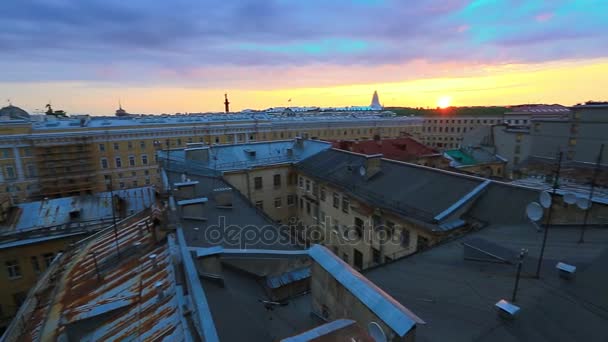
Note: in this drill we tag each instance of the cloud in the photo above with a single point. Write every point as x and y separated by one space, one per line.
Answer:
143 41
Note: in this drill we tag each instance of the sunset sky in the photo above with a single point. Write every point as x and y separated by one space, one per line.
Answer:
182 55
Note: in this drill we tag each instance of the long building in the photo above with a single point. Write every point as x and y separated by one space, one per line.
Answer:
59 157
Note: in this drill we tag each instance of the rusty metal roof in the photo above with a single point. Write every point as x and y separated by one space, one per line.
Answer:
100 295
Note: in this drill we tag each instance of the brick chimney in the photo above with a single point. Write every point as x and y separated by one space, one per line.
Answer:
373 165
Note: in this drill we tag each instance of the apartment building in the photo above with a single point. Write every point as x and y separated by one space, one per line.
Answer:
77 155
445 132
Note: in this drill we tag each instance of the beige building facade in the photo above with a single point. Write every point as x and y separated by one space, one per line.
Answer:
79 155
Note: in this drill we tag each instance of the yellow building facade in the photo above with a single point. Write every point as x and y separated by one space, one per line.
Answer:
66 157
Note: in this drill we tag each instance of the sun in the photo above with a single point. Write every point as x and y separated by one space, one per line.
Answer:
444 102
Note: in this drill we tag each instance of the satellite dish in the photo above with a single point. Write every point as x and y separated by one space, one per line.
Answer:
545 199
534 211
583 203
569 198
362 171
376 332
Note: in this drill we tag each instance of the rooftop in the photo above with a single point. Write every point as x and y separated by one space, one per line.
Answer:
538 109
404 149
91 293
212 225
104 122
456 296
247 155
427 193
468 156
72 213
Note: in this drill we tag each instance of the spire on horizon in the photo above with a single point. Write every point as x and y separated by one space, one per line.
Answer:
376 101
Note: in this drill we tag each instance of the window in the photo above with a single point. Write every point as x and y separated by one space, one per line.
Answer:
130 145
345 204
10 172
35 264
290 200
405 238
144 159
131 160
142 144
257 181
135 183
308 207
572 142
390 228
376 257
116 147
122 185
6 153
277 202
27 151
359 226
517 149
179 142
322 194
336 200
118 162
277 180
13 269
301 182
307 185
31 170
358 259
259 205
104 163
301 203
102 147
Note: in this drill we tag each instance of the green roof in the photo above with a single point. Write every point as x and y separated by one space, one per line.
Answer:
461 157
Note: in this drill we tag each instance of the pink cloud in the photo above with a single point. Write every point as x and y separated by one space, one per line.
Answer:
543 17
463 28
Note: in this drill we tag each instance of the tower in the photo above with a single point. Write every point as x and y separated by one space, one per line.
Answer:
376 102
226 103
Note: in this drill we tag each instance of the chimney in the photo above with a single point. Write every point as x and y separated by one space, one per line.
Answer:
299 142
372 165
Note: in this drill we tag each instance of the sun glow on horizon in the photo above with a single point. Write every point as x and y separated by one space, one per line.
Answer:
444 102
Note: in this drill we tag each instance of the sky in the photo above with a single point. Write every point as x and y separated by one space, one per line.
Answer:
158 56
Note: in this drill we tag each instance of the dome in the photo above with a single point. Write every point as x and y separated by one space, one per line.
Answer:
14 113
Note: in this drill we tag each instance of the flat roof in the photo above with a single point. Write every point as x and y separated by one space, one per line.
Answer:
456 297
56 211
246 155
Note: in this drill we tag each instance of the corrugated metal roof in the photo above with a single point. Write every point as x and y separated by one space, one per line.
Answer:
55 212
286 278
395 315
128 287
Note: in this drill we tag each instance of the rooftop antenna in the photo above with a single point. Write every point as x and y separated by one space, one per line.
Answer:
545 199
586 204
